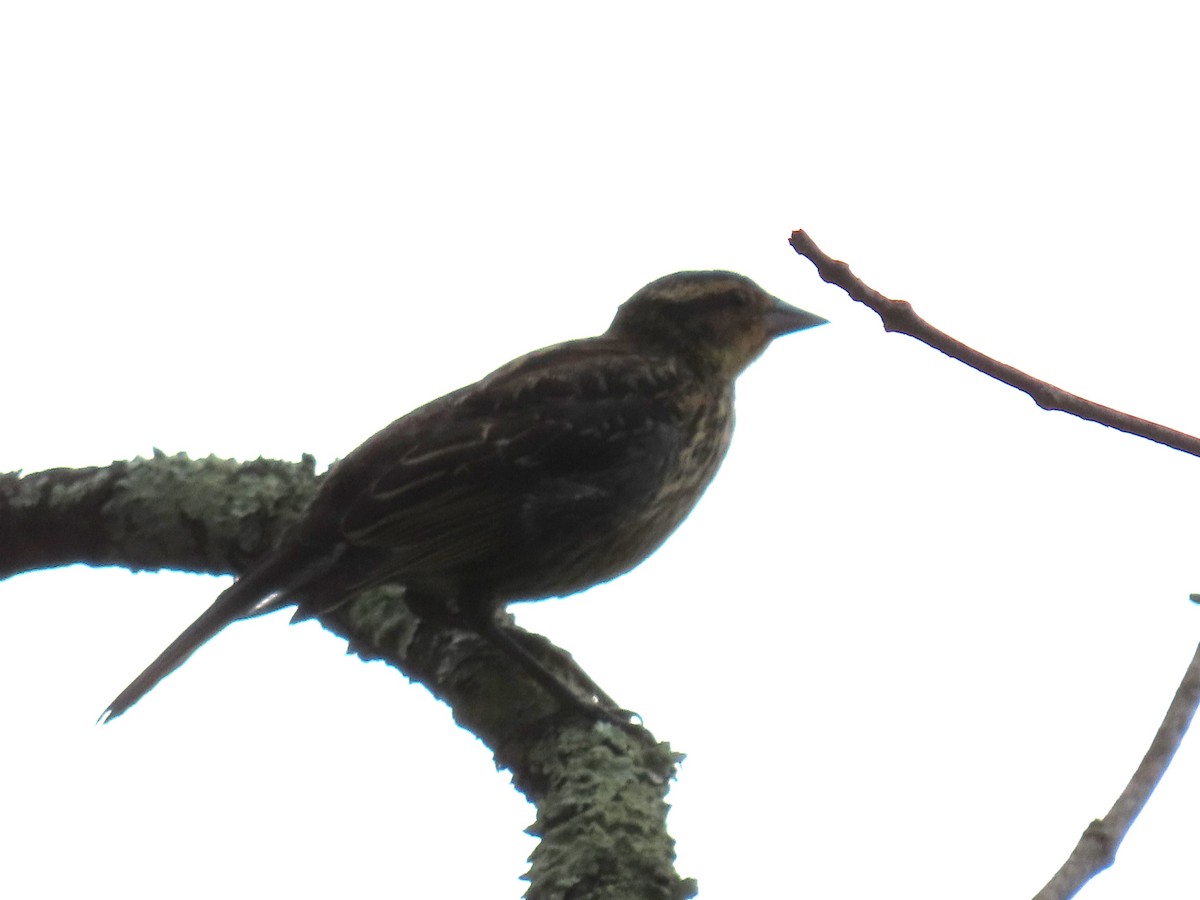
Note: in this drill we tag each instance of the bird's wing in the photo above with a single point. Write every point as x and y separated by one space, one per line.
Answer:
453 486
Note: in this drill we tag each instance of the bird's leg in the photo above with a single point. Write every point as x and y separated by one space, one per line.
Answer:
523 647
544 645
504 641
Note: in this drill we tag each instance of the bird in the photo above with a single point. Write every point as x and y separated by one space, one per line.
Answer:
562 469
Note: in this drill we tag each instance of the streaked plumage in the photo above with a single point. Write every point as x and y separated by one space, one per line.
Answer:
562 469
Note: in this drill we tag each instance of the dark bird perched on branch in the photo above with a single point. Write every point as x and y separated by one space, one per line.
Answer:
562 469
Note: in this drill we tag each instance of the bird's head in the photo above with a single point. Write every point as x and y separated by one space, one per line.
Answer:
718 321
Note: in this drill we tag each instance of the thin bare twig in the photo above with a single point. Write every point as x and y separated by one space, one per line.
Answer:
1097 847
899 316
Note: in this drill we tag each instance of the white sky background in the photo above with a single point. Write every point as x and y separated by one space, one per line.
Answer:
918 633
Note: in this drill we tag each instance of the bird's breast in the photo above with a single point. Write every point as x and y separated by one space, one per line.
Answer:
602 547
707 429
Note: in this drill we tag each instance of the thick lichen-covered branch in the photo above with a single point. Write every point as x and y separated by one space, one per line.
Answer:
166 512
600 791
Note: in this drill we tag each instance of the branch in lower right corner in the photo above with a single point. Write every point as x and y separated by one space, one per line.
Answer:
1097 848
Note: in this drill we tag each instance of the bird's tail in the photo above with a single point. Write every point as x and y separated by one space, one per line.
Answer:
248 596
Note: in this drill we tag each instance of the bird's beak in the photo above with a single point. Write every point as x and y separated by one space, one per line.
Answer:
783 318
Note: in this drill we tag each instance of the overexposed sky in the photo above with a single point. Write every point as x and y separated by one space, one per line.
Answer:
917 634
